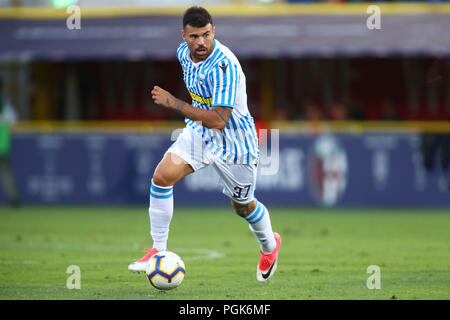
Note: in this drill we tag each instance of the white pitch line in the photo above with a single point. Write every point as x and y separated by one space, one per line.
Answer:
195 254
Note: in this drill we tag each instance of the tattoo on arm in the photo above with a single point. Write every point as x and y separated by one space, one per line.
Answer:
197 114
223 113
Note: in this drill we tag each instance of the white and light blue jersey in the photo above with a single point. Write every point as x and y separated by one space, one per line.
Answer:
220 81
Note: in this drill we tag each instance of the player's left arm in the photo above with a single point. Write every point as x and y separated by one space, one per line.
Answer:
216 118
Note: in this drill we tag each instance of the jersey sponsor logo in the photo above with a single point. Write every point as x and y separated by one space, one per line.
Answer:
202 100
224 67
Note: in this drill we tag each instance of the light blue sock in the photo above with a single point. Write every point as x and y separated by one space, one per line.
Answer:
261 227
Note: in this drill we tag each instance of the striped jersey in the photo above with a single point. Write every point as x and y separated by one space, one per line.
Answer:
219 81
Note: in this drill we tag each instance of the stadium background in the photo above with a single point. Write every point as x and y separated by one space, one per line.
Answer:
362 113
362 174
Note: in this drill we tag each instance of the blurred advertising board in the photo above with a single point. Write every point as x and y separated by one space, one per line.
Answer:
327 169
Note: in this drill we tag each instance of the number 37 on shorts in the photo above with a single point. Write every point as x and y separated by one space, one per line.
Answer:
242 193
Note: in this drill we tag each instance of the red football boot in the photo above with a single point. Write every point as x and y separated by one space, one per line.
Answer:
141 264
268 262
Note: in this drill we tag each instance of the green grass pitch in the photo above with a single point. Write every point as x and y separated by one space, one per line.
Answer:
324 254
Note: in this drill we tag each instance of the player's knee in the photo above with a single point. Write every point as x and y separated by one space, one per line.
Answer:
162 179
243 210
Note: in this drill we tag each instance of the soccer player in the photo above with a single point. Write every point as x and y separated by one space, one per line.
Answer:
219 132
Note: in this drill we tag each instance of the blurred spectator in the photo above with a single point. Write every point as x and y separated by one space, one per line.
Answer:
312 112
7 117
439 70
388 111
280 114
357 113
339 111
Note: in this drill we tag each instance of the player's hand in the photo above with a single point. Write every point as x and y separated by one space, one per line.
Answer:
163 97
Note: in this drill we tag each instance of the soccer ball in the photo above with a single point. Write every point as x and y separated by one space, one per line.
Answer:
165 270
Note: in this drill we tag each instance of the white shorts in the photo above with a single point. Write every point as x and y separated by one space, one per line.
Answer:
238 180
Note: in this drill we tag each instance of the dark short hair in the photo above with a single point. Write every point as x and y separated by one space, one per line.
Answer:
196 17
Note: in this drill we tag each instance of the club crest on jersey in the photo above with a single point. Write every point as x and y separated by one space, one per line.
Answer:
223 65
201 78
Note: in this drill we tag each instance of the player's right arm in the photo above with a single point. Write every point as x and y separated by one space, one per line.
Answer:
216 118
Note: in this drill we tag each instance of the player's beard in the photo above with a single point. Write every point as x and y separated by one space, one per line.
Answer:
202 55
